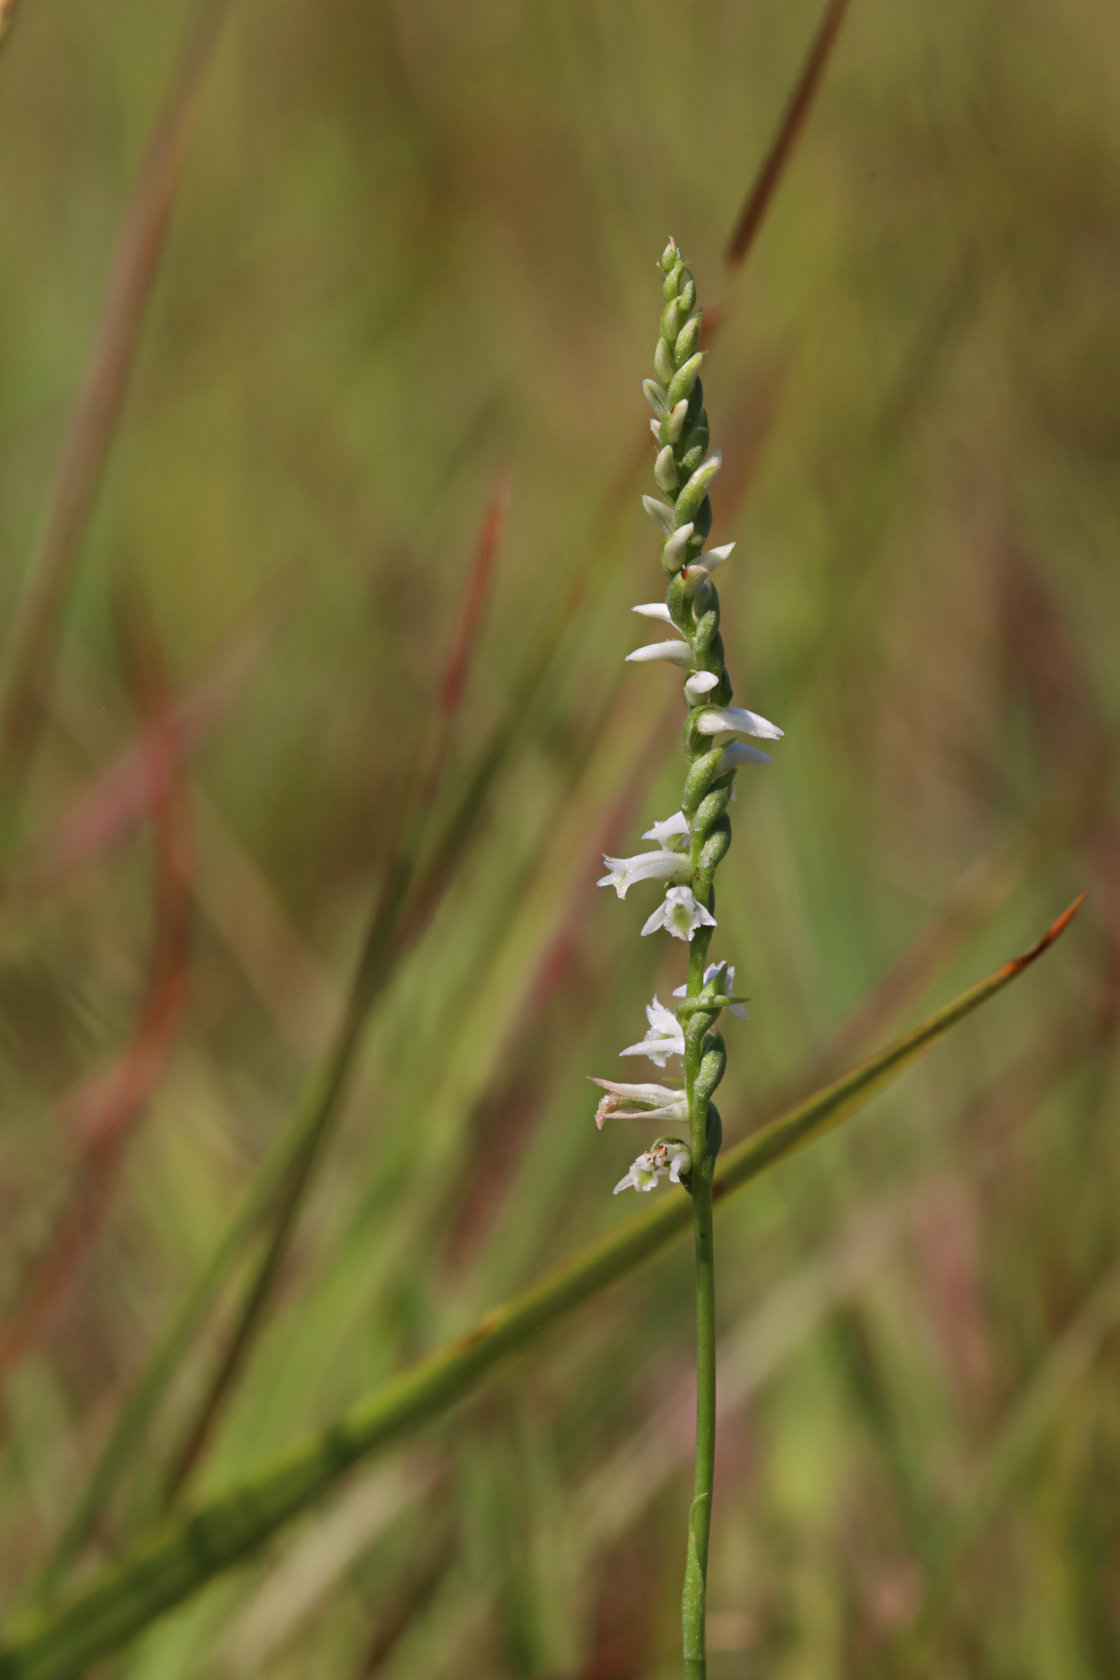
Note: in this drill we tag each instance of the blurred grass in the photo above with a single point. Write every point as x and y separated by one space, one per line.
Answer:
411 246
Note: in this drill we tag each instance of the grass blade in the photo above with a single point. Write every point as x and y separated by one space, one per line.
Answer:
97 411
105 1109
793 121
232 1525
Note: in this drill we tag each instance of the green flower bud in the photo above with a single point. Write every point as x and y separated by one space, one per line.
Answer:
665 471
687 339
681 382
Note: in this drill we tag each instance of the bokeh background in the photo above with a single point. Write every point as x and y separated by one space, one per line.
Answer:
382 430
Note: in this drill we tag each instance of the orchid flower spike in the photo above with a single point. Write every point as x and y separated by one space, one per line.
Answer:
718 740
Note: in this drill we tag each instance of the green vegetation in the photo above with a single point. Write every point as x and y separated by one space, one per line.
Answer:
314 725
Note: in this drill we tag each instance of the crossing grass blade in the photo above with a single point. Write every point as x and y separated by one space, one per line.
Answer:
229 1527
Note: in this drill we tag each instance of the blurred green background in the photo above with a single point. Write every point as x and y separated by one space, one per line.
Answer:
412 249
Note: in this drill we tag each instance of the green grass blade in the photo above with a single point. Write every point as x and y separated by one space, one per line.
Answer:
176 1565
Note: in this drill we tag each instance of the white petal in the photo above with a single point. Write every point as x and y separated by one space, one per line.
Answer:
679 1162
664 1021
714 557
665 516
681 914
675 547
699 684
739 753
652 1096
673 828
644 866
664 1036
736 720
654 609
677 653
657 1051
655 921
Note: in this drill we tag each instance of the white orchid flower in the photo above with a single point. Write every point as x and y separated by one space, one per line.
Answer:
699 684
736 720
671 833
677 653
669 1158
644 866
738 754
664 1036
680 914
647 1102
726 985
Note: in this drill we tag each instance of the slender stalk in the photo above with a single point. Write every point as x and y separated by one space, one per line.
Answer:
703 1484
695 1592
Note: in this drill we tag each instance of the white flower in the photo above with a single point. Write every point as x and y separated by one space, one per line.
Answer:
664 1036
677 653
645 866
738 754
676 545
699 684
673 829
671 1158
714 557
680 913
700 570
648 1102
727 987
653 609
643 1175
736 720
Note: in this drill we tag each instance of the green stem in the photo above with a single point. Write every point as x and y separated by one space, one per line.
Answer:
694 1596
700 1515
